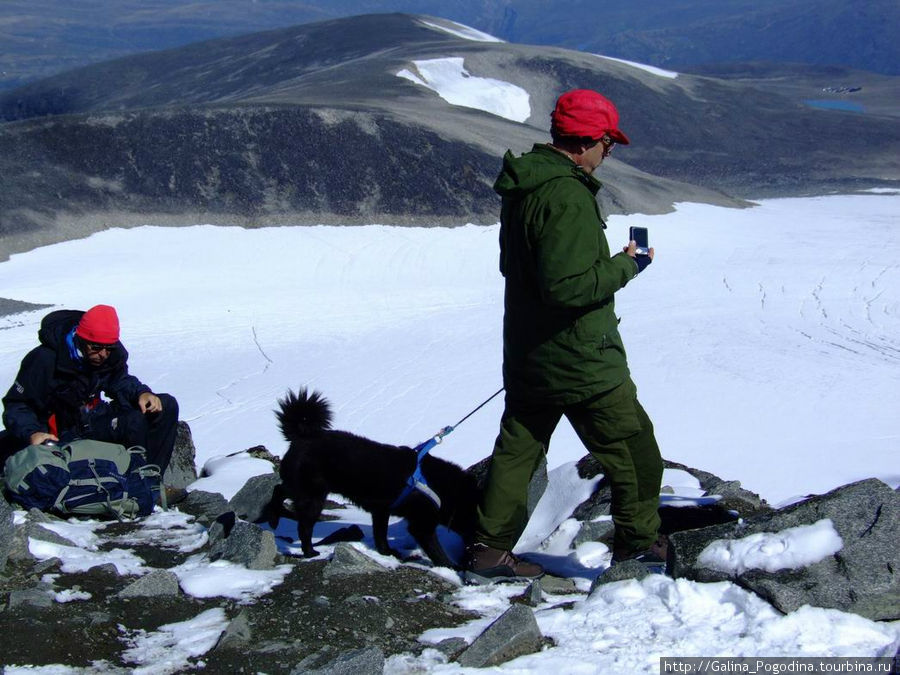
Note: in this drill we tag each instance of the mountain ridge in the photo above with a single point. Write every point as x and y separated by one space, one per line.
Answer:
50 36
312 124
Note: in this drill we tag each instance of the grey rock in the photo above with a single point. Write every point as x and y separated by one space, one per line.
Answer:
452 647
182 470
533 595
38 516
7 530
514 634
158 583
33 529
736 498
99 618
238 633
261 452
347 560
48 565
863 577
251 500
246 544
627 569
365 661
537 486
557 585
204 506
733 495
598 504
30 597
106 568
599 530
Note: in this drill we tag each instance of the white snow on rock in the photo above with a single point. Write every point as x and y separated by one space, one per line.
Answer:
793 548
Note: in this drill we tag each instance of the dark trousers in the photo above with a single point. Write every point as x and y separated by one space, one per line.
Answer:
614 428
116 423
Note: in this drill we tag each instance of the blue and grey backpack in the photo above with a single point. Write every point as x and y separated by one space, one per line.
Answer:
84 477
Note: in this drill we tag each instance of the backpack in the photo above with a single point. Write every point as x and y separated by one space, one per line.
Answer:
84 477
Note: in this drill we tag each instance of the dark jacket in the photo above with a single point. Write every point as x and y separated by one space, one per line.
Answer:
54 380
561 342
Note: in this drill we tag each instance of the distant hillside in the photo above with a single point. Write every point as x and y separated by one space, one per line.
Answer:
313 124
44 37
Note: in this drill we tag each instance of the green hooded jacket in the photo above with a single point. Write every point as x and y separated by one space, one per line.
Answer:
561 342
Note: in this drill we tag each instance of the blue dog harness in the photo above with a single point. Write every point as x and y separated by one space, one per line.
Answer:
416 481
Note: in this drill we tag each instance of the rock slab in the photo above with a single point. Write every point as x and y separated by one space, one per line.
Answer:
862 577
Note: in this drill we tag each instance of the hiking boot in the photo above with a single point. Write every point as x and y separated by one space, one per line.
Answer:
654 558
486 565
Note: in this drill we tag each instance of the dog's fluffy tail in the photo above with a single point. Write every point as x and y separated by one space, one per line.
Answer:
303 414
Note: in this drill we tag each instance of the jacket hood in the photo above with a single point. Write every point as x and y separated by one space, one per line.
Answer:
522 175
56 325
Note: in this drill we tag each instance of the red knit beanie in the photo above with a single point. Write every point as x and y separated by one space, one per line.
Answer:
585 113
100 324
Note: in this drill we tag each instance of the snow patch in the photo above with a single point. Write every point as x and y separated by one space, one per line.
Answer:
642 66
454 84
793 548
462 31
169 648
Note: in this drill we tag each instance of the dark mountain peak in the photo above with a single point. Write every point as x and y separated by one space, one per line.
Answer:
312 123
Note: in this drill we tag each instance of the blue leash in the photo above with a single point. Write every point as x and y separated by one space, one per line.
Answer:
417 480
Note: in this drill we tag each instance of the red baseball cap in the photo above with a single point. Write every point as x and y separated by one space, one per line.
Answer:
100 324
584 112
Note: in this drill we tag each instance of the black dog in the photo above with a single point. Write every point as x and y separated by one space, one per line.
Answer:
372 475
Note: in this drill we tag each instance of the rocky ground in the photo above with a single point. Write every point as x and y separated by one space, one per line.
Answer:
351 611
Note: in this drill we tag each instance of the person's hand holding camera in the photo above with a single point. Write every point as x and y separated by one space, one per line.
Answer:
640 260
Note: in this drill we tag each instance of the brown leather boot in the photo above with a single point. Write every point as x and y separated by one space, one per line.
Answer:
486 565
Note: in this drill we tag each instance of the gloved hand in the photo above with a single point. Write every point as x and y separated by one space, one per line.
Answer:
642 261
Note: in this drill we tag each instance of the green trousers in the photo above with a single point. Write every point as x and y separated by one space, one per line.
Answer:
614 428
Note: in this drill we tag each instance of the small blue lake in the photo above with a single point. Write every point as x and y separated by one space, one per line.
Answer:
846 106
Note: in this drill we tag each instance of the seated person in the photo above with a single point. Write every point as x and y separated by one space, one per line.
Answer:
57 394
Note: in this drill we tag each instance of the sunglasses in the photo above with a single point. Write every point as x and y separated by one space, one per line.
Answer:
96 348
608 144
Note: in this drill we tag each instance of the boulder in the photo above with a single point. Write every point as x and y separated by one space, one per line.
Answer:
206 507
245 544
251 500
157 583
182 470
33 528
238 634
627 569
347 561
514 634
364 661
861 575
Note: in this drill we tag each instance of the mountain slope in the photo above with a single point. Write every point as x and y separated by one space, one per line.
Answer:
313 124
43 37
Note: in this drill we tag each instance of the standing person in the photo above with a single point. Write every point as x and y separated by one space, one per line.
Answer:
562 353
56 395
